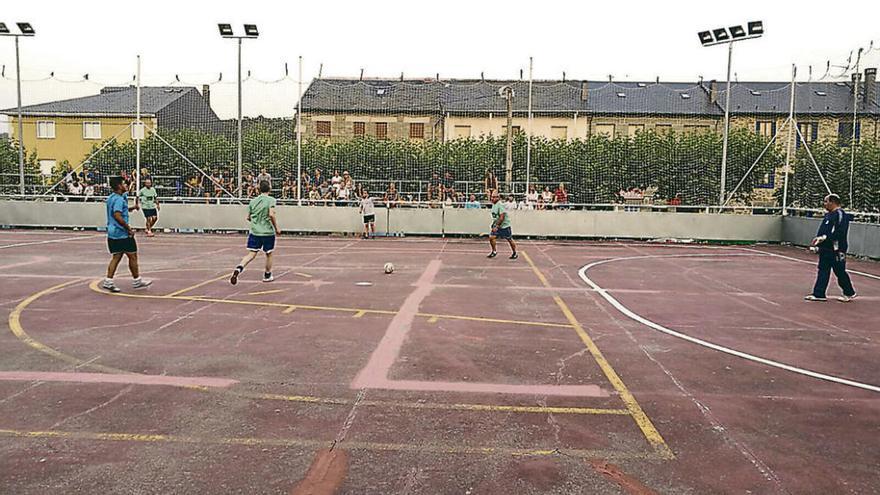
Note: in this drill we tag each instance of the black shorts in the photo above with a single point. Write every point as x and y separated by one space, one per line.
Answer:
127 245
150 212
369 219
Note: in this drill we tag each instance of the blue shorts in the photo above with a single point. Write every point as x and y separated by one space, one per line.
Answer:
150 212
504 233
266 243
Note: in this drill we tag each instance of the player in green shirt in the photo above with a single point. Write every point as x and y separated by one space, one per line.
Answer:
148 200
500 226
264 228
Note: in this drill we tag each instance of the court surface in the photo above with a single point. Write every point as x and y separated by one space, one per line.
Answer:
582 367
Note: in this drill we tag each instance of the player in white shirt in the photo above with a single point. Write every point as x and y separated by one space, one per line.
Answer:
368 210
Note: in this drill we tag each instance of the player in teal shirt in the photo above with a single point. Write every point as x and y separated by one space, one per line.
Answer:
148 200
120 236
264 228
500 226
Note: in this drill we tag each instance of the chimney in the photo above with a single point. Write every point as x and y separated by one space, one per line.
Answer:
206 94
870 86
713 91
585 91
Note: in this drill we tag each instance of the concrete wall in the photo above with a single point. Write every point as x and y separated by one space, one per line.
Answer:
864 238
417 221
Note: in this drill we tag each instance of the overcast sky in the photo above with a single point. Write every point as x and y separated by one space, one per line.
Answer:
632 39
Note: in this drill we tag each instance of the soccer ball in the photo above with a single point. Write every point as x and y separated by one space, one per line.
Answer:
389 268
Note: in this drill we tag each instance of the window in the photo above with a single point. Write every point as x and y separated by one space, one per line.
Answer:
137 130
322 128
91 130
845 133
696 128
360 129
558 132
768 181
381 130
765 128
462 131
416 130
47 166
45 129
516 130
634 129
810 132
606 130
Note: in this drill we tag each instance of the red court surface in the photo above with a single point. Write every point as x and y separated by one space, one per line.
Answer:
582 367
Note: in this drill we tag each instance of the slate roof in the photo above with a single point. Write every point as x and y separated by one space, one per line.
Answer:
112 101
464 96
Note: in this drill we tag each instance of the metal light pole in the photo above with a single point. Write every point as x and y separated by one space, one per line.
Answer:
25 29
250 32
507 93
729 36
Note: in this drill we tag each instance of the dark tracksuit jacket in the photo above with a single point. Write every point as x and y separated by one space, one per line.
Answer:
832 252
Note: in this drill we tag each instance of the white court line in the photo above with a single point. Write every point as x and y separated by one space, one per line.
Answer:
64 239
869 275
727 350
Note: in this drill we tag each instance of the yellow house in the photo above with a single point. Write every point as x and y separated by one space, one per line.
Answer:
69 130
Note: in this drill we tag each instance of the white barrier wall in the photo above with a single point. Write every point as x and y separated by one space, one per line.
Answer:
457 221
864 238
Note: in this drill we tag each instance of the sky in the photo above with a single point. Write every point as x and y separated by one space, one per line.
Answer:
628 40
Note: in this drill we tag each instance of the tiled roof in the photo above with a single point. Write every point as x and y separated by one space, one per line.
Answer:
113 100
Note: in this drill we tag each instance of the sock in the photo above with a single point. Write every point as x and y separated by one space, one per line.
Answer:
267 274
239 268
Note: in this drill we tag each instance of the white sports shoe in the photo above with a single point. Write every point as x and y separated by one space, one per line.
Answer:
141 283
268 279
847 298
110 286
814 298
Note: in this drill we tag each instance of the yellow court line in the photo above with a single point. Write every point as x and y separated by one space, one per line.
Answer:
264 292
311 443
196 286
644 423
359 314
290 309
95 287
304 275
17 329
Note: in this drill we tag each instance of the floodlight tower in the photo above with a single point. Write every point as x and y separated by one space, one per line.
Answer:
729 36
250 32
27 30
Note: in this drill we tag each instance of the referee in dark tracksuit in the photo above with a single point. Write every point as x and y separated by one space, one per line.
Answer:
832 245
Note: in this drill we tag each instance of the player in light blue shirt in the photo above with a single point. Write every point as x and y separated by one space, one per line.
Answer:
120 236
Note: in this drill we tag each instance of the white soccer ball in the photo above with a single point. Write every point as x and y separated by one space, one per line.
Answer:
389 268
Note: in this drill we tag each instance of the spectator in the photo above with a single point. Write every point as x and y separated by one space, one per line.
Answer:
318 178
675 201
472 203
347 181
194 187
560 197
490 183
448 182
342 195
336 180
510 204
391 195
540 204
288 188
531 197
547 196
435 188
314 195
264 176
75 188
89 191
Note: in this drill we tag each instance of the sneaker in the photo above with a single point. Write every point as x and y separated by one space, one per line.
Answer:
492 254
514 256
269 278
814 298
234 278
150 233
846 298
110 286
141 283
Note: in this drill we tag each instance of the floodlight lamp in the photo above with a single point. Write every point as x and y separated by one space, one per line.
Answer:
250 30
705 37
3 28
225 30
737 32
26 28
756 28
721 34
